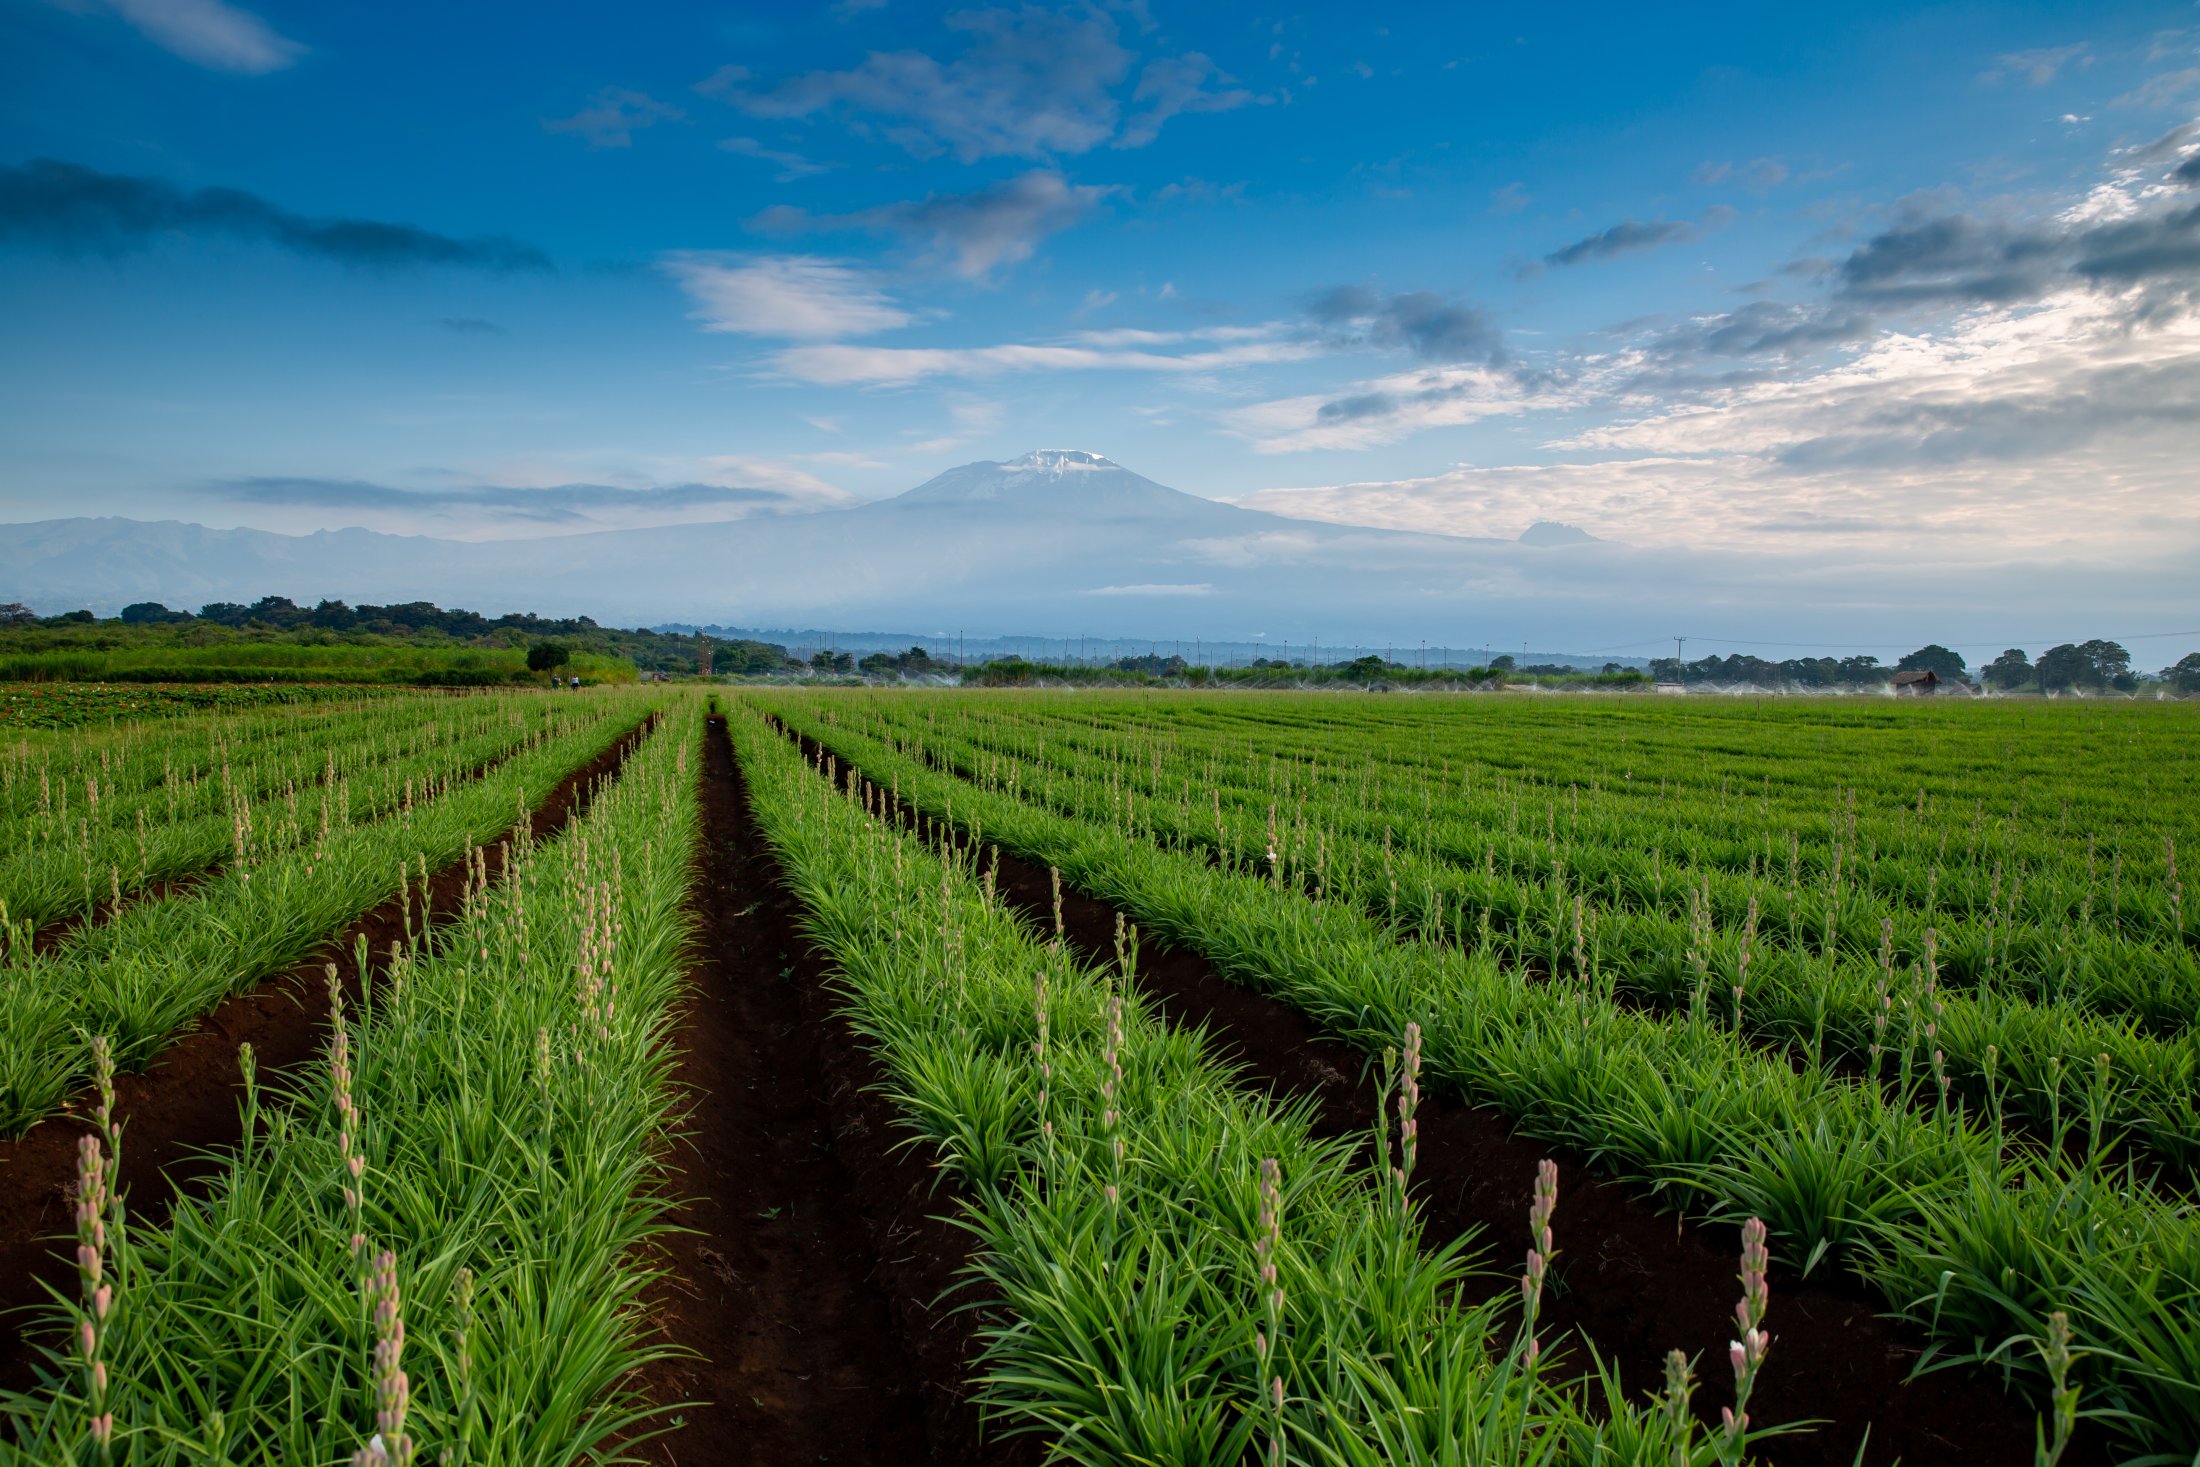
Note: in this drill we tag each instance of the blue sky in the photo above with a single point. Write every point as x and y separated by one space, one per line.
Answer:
1816 284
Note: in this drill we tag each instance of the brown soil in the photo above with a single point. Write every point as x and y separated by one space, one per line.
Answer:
1631 1280
810 1287
184 1105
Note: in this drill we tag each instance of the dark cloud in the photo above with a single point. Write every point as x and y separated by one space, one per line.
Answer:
67 207
2169 145
558 504
2162 248
1763 328
1421 322
1949 258
2188 172
1355 409
1624 238
1956 259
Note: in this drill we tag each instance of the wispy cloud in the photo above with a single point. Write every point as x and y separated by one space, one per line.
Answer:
847 366
1385 409
67 207
497 511
969 234
206 33
613 116
1634 236
801 297
1028 83
2164 89
1759 175
1175 85
791 165
1156 588
1510 199
2040 66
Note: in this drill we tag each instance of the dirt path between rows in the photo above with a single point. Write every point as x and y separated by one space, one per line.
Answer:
184 1105
1633 1281
809 1287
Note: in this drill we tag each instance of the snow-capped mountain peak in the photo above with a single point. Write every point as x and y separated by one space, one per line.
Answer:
1059 461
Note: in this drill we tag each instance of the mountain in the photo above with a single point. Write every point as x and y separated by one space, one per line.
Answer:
1551 532
1056 542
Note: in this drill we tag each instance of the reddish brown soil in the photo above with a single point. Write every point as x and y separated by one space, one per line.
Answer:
1631 1280
775 1288
61 929
185 1104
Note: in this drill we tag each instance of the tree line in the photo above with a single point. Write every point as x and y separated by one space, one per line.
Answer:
2095 666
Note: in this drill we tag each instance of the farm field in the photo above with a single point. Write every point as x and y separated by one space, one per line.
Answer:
1012 1077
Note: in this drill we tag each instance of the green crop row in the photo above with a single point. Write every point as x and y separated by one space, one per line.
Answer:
1975 1236
430 1247
267 805
2046 1064
33 712
1171 1268
157 964
48 786
2018 916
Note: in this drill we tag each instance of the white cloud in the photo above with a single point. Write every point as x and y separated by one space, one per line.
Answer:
2041 66
206 33
797 296
1156 588
2043 431
847 366
775 474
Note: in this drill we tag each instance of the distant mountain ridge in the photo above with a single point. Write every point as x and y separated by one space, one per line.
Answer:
1054 542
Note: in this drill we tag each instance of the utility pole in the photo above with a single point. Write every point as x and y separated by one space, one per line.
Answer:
1677 643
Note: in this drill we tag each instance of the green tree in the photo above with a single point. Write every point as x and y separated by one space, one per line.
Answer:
1935 659
2111 664
2008 672
548 656
150 613
2064 667
2183 675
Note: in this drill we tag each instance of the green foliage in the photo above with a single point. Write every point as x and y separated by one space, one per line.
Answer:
548 656
1521 881
506 1147
1121 1217
1936 659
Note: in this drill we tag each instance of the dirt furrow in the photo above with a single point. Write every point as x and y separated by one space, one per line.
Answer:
184 1105
808 1287
1631 1280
